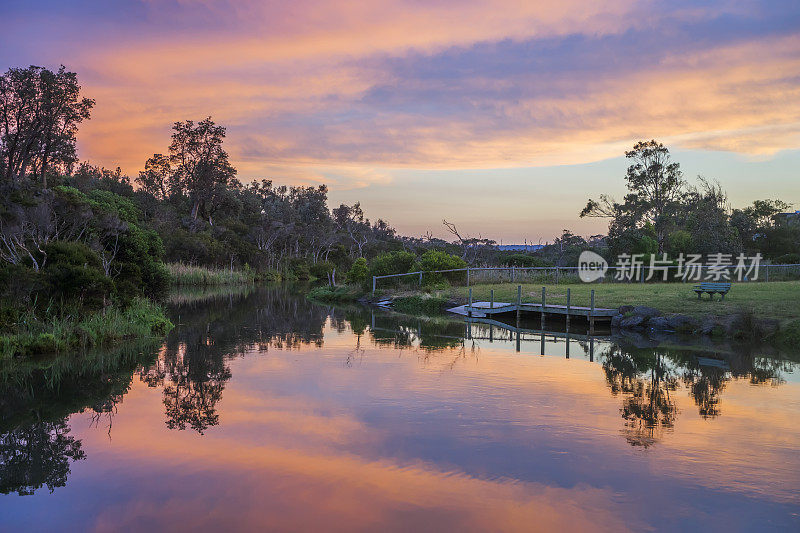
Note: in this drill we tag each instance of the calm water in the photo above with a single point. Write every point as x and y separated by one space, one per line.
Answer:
262 410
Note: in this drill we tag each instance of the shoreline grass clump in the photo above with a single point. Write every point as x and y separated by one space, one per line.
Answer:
182 274
424 304
141 318
339 294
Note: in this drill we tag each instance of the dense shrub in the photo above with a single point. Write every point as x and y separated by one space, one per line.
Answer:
398 262
438 260
321 269
342 293
73 273
299 269
358 272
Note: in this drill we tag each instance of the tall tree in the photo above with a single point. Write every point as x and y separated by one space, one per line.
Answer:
655 184
201 164
40 111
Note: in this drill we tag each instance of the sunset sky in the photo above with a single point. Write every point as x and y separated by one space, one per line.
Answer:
501 116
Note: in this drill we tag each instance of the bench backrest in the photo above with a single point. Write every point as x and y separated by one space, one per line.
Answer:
712 286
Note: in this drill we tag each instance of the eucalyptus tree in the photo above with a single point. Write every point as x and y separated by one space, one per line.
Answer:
201 166
40 111
655 186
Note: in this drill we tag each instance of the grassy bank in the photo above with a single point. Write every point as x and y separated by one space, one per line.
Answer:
750 310
190 275
340 294
776 300
30 335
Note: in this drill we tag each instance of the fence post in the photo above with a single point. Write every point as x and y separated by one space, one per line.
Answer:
467 276
557 275
491 299
766 273
513 271
519 303
470 303
544 289
420 279
373 285
591 316
568 310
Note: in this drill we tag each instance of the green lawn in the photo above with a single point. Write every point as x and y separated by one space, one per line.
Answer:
779 299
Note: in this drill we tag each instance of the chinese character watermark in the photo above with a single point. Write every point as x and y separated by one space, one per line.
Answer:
719 267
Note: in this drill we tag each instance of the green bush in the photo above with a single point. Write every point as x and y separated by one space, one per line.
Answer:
358 272
680 242
299 269
438 260
419 305
398 262
645 245
74 274
328 294
321 269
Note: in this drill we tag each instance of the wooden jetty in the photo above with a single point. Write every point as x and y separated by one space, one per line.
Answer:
486 309
490 308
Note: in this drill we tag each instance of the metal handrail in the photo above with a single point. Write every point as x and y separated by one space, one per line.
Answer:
557 269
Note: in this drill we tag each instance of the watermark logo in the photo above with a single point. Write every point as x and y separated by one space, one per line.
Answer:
591 266
717 267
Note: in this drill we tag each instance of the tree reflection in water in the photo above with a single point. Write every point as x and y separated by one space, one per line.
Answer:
193 368
36 399
648 379
646 383
36 455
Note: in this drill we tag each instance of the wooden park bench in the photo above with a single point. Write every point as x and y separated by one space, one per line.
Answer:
712 287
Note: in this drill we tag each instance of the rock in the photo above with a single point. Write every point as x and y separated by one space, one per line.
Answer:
681 323
625 309
712 327
658 323
632 322
647 312
616 320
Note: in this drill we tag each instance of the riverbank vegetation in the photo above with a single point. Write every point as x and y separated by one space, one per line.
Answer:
77 240
33 333
194 275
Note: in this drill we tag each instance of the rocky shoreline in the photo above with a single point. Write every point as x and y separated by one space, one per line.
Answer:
741 325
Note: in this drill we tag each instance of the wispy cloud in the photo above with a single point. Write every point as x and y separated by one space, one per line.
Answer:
332 91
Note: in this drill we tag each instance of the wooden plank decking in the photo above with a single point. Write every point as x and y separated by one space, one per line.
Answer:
484 309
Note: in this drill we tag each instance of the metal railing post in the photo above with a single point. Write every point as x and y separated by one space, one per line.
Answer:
544 289
373 285
568 307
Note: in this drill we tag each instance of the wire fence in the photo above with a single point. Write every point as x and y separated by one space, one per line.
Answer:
560 274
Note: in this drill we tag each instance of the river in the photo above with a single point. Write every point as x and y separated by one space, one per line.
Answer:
262 410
